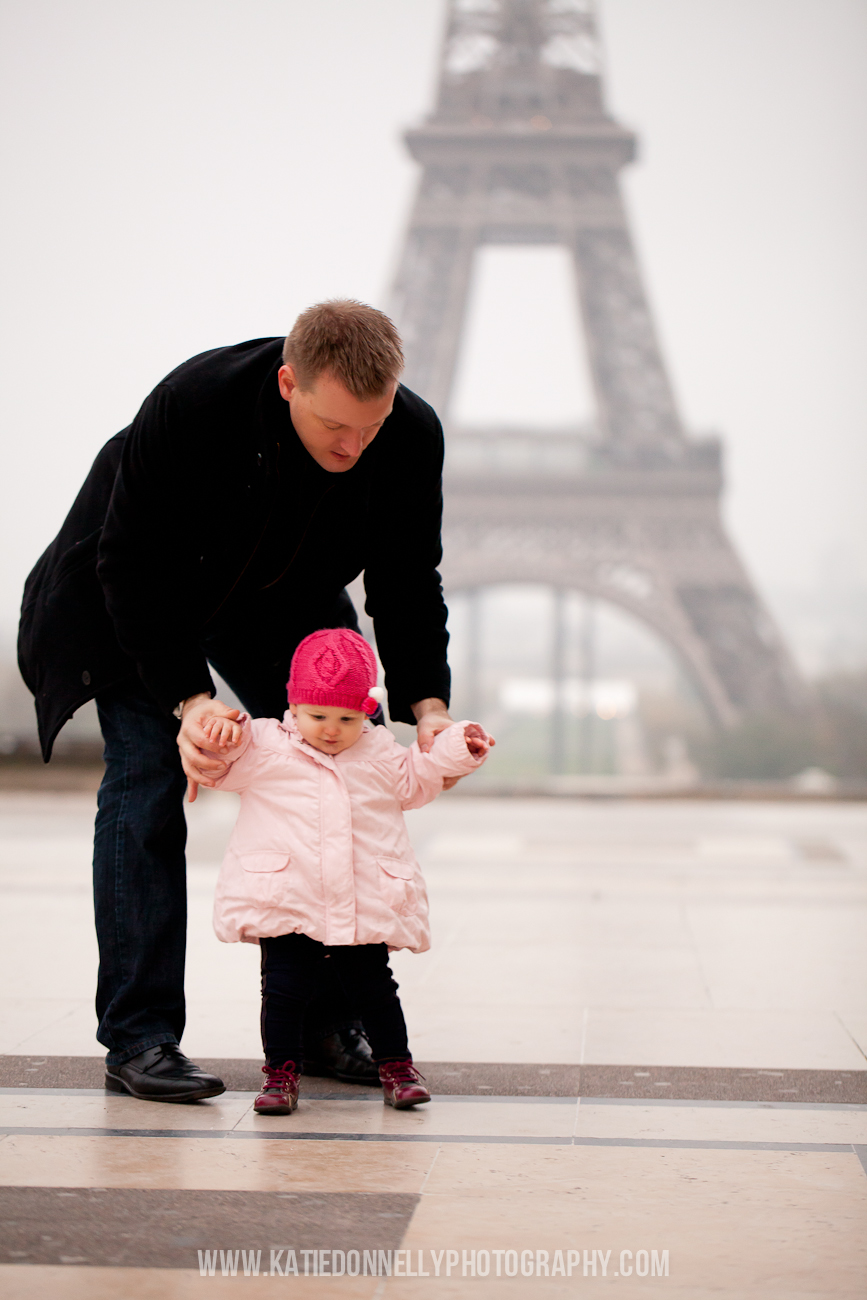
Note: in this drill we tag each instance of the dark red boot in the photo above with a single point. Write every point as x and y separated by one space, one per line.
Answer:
279 1095
402 1085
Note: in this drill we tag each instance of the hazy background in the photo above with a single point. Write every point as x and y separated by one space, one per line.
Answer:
183 175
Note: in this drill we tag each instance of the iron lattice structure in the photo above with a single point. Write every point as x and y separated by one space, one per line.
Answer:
520 150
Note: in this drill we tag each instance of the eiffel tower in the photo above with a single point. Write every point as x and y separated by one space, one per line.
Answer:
520 150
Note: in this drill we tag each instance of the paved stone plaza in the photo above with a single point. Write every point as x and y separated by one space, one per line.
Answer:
644 1023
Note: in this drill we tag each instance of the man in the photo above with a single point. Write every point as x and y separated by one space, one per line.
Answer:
221 528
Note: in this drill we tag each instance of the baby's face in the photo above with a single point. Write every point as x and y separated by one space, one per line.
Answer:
328 728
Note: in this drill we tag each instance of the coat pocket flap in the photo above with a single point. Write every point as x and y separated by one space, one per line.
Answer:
264 861
398 867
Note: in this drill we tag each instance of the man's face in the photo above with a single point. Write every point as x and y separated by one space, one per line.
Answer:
334 426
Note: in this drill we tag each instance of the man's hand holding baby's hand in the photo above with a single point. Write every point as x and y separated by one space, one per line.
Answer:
223 733
199 755
432 717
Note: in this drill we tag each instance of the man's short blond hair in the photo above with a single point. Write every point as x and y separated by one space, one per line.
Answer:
355 343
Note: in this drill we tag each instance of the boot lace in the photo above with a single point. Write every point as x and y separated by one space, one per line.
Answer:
401 1072
278 1079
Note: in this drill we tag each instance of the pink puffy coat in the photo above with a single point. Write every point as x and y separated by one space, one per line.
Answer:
320 845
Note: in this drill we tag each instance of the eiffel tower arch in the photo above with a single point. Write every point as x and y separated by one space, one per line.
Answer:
520 150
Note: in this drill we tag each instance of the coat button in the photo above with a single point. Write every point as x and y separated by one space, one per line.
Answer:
259 458
85 677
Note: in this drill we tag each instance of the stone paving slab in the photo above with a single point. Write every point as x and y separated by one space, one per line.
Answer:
134 1227
503 1080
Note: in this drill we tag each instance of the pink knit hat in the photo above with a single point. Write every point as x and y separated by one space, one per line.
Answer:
333 667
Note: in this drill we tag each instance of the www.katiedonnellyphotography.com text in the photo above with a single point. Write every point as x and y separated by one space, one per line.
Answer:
288 1261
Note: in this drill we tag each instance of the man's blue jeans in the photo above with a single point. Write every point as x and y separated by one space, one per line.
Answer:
139 876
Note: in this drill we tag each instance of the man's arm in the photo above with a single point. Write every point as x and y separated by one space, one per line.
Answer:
147 558
402 583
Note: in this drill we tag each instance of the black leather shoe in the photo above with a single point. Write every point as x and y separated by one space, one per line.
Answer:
345 1055
162 1073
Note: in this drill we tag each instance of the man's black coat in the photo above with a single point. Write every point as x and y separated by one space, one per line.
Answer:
210 493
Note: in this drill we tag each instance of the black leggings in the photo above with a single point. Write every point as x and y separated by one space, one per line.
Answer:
293 966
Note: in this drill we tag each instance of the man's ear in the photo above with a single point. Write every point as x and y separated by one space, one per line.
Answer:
286 382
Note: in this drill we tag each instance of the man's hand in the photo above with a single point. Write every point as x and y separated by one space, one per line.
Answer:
195 743
432 717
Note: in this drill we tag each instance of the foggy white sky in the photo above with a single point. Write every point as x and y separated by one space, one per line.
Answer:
188 173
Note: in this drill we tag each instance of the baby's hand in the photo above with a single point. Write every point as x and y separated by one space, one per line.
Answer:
223 732
478 740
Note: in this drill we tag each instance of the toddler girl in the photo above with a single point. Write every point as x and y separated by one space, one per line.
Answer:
319 866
